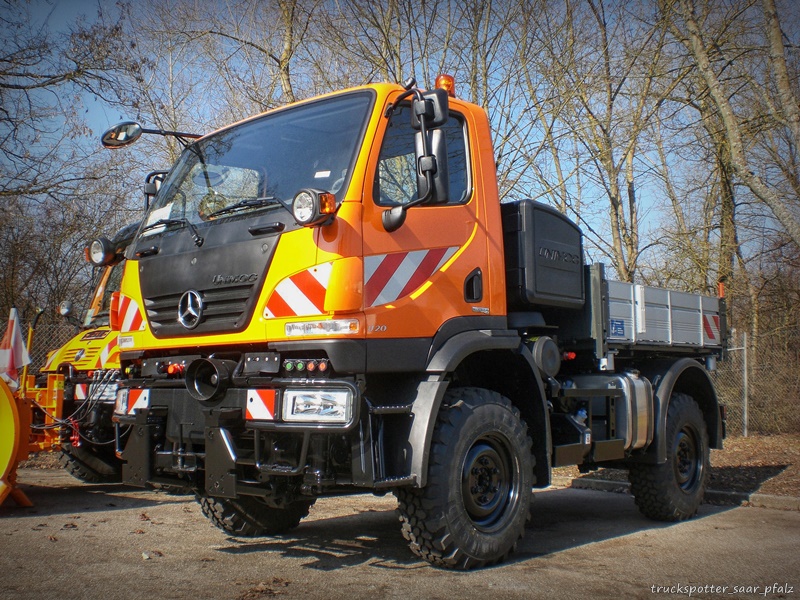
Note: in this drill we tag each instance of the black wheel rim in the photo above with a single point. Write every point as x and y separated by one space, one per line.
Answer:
490 483
688 463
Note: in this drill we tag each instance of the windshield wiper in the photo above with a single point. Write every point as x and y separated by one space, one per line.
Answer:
246 203
198 241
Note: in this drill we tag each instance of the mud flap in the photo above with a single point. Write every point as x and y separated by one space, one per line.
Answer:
137 454
220 463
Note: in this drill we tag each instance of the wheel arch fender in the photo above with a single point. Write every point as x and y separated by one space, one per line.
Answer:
687 376
500 346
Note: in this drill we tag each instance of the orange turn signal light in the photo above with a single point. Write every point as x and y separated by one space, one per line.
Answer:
113 312
327 203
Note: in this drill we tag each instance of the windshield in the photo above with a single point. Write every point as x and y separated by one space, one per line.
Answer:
262 163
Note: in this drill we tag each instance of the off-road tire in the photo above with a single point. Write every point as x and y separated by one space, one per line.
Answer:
91 464
249 516
476 503
673 491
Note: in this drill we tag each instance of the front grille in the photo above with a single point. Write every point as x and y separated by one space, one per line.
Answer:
87 359
224 309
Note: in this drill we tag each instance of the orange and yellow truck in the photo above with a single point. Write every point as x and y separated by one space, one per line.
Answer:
89 363
331 298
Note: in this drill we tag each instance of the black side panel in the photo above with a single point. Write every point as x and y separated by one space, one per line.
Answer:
544 257
455 326
414 354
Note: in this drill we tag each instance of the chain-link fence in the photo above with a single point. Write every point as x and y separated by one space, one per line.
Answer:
47 337
760 384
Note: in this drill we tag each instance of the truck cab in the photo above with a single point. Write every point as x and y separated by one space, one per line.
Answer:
330 298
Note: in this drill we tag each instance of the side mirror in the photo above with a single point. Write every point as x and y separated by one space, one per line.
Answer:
433 108
65 308
123 134
152 183
429 112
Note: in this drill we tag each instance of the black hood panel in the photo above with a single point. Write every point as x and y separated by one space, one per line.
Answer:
227 272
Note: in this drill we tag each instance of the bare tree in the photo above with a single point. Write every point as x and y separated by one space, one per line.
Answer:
602 71
693 30
55 195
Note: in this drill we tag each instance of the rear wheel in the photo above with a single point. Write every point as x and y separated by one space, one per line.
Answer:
475 506
90 463
673 491
250 516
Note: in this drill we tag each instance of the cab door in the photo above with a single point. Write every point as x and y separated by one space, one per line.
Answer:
431 269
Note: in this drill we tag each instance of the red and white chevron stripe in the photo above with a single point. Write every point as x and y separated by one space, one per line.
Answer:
388 277
108 354
130 315
711 328
138 399
302 294
260 405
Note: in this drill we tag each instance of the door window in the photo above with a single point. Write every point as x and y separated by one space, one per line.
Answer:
396 179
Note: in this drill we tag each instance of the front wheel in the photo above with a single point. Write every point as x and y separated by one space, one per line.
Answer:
475 506
674 490
250 516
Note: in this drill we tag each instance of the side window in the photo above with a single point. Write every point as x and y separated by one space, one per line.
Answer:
396 179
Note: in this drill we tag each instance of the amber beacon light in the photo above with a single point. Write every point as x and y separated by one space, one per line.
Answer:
446 83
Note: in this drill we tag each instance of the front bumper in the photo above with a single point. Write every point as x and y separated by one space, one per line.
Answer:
237 444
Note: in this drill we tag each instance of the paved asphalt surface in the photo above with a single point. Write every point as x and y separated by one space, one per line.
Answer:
93 542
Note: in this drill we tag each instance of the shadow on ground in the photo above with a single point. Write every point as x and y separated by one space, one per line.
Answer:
562 519
743 479
51 500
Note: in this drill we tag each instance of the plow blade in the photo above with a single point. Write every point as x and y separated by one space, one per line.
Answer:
13 446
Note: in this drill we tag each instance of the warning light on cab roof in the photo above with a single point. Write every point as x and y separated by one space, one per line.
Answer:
446 83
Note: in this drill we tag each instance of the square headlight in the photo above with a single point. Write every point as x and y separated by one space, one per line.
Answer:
317 405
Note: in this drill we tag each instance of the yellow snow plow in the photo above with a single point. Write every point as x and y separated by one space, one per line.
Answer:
10 447
67 406
28 423
28 416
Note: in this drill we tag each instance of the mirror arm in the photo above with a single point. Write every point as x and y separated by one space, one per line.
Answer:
393 105
180 136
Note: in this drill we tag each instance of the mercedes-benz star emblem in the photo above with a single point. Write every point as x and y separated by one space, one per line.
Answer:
190 309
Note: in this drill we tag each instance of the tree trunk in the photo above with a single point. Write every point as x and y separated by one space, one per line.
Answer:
693 40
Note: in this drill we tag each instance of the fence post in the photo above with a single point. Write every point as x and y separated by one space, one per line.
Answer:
745 391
